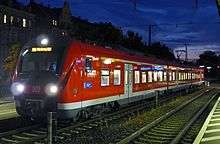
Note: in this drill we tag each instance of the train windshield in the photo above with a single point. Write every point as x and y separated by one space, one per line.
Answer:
38 61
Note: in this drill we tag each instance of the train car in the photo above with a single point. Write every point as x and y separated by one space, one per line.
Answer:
78 79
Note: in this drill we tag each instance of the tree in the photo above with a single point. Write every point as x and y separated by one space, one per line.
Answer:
10 62
107 34
133 41
161 51
210 59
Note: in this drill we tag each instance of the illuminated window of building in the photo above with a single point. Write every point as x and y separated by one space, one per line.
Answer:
5 19
150 77
11 19
54 22
104 77
137 77
117 77
143 77
165 76
160 76
155 76
24 22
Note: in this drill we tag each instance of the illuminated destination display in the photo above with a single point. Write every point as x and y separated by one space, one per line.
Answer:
41 49
156 68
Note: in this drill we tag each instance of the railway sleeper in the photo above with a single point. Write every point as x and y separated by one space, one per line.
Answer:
39 132
162 134
188 140
157 137
93 124
162 129
67 134
74 131
31 134
147 140
169 127
20 137
10 140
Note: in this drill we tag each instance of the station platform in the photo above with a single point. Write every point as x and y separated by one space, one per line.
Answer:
210 132
7 109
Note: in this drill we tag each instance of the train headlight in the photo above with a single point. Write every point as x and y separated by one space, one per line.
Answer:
51 89
44 41
17 88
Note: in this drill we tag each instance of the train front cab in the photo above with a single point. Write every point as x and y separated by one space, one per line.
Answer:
35 84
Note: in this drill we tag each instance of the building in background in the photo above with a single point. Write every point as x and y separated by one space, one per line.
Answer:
19 23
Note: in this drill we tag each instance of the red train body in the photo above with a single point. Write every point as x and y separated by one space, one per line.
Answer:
91 76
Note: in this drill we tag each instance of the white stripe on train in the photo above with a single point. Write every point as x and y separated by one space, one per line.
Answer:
82 104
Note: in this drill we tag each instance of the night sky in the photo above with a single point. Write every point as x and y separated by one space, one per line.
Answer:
176 21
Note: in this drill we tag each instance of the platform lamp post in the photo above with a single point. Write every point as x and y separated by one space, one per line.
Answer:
51 91
52 113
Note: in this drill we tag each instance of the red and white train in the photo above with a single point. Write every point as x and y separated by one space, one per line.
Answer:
78 77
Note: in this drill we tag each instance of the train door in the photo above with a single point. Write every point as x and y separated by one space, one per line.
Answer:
128 80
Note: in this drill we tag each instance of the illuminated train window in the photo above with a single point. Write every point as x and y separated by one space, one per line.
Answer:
165 76
155 76
137 77
150 76
189 76
174 76
144 77
170 76
104 77
117 77
5 19
160 76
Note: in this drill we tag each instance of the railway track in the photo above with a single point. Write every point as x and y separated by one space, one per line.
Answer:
39 132
171 127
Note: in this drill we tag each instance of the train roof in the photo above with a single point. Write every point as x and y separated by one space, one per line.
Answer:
97 50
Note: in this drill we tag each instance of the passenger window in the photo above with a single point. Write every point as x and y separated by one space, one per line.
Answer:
174 76
165 76
170 76
137 77
160 76
144 77
150 77
117 77
155 76
104 77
